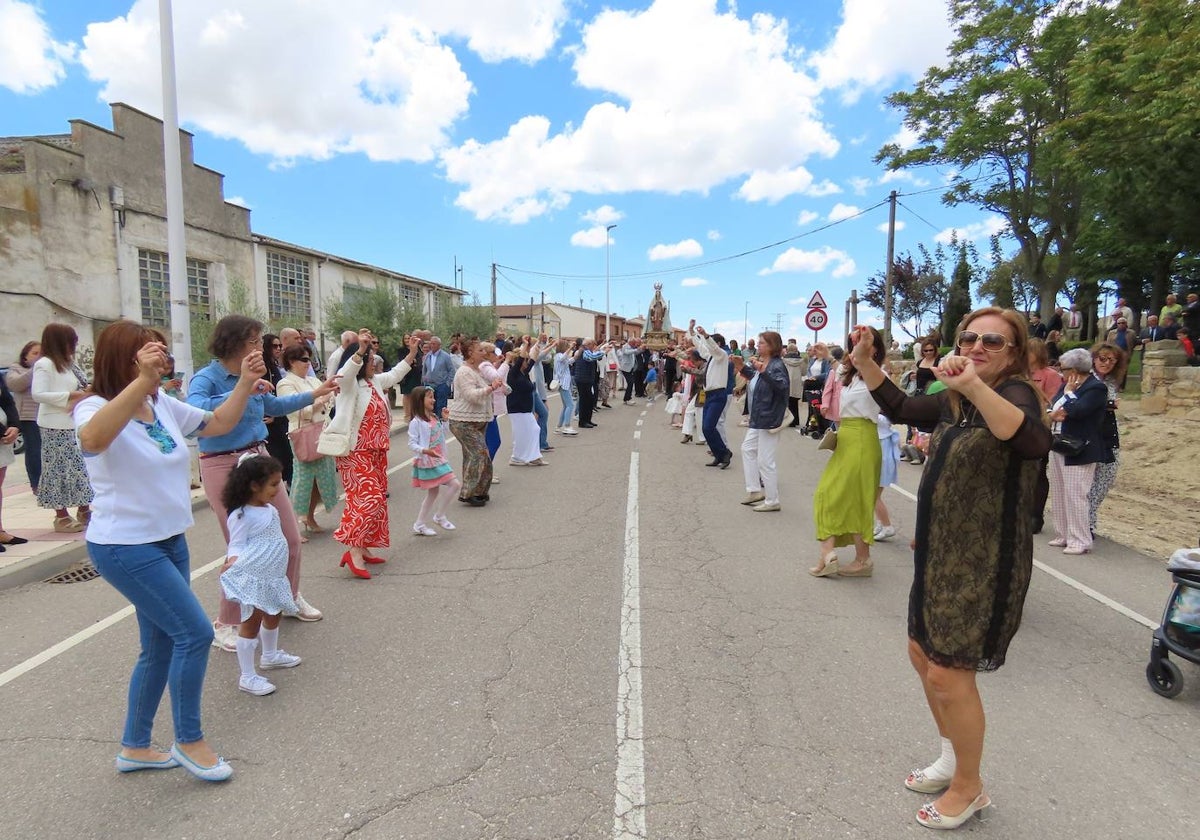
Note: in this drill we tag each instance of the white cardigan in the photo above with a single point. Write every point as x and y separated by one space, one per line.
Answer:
352 400
52 391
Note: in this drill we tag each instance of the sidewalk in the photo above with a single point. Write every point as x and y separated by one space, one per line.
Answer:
48 553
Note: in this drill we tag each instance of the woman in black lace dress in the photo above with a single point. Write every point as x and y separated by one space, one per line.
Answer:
974 544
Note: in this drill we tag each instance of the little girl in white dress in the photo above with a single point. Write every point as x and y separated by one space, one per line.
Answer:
256 568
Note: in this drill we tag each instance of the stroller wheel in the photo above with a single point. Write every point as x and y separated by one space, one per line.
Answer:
1165 678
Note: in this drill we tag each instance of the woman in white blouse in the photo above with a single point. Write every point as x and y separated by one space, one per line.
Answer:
316 481
844 502
58 385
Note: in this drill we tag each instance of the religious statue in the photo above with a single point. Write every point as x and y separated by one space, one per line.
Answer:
658 310
658 322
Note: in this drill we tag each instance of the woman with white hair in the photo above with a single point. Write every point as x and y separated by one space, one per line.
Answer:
1076 412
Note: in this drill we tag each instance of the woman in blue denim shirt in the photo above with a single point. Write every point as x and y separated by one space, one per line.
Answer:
134 453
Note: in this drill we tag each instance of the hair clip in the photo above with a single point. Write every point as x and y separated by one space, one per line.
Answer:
246 456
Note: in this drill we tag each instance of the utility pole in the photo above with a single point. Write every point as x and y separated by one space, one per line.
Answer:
493 285
531 314
181 316
456 271
543 329
607 304
887 284
851 314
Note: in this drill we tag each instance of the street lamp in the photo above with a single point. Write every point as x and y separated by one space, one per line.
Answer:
607 305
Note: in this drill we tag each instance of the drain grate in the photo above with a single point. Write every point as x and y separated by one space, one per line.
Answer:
81 571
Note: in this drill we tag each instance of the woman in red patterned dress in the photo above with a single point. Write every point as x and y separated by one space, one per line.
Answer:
362 408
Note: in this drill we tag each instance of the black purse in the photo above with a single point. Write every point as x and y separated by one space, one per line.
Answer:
1068 445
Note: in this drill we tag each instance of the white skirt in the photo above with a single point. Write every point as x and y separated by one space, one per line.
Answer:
526 446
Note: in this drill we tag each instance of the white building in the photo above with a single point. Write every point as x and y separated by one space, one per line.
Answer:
83 240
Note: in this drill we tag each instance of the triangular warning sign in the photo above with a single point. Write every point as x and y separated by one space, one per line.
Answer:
817 302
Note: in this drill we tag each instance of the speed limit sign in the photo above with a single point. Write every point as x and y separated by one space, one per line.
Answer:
816 319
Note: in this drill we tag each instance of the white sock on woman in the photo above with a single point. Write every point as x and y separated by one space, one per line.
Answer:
943 768
245 655
270 641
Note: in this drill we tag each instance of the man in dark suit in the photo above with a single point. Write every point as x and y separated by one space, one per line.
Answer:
1153 331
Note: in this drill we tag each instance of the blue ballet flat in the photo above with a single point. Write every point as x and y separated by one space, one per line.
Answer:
218 772
132 765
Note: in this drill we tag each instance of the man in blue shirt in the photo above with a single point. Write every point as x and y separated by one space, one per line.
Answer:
437 373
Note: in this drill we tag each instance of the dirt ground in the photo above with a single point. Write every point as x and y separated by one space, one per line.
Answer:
1155 504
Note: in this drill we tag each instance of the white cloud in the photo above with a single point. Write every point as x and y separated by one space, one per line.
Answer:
807 217
878 42
776 186
905 137
989 227
593 237
730 329
684 248
903 175
30 59
604 215
238 200
843 211
795 260
714 235
859 185
732 87
900 225
313 80
688 282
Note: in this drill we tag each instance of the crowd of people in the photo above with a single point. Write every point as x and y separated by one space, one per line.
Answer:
282 434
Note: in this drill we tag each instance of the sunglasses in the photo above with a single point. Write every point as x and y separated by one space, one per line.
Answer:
276 346
1106 359
992 342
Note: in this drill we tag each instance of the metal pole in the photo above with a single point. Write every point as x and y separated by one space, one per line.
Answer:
181 316
543 329
746 325
493 285
887 285
607 306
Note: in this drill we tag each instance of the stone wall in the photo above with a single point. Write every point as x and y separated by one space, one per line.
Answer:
1169 386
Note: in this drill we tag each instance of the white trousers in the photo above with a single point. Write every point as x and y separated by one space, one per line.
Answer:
525 437
1069 488
758 463
689 419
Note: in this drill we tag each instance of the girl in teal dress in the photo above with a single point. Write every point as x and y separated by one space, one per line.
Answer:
431 470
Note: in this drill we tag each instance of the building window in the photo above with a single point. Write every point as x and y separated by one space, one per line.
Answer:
288 288
410 297
439 304
154 279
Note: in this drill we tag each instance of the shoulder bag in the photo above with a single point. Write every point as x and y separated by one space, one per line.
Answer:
1068 445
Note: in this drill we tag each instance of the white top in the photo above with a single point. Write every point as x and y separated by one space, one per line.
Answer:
141 492
334 361
52 391
856 401
242 523
717 373
292 384
355 394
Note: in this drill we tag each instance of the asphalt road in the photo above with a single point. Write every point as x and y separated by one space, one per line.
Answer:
507 680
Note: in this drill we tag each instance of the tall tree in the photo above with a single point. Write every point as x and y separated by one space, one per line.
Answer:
918 294
990 114
958 303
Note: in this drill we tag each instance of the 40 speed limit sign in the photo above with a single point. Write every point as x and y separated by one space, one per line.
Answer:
816 319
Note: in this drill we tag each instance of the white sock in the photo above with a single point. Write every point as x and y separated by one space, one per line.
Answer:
943 768
270 641
245 655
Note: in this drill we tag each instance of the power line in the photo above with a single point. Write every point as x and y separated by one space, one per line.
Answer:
694 266
918 215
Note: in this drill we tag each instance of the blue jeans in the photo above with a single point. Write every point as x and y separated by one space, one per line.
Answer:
175 634
441 396
543 415
568 406
714 405
32 436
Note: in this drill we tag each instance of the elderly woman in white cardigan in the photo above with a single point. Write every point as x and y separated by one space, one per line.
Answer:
362 419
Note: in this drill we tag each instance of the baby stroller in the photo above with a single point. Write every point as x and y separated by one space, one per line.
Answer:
1179 632
815 424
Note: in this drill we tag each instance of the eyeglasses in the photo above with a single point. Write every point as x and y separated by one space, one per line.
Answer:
1106 359
929 350
992 342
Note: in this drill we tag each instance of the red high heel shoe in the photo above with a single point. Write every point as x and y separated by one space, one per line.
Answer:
354 570
373 560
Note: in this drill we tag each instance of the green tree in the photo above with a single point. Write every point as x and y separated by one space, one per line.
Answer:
378 309
918 293
238 302
473 319
958 303
1005 282
991 115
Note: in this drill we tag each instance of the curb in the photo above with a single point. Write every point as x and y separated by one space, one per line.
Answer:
57 560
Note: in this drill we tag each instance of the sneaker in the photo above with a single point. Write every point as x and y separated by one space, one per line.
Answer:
280 659
567 430
256 684
307 611
423 530
444 523
225 637
766 507
884 533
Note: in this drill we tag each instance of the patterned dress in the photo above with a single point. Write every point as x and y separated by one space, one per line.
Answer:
258 579
974 533
364 472
432 470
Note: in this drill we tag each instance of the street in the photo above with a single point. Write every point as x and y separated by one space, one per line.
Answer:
613 647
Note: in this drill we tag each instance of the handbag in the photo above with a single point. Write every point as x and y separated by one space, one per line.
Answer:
1068 445
336 444
553 384
829 441
304 442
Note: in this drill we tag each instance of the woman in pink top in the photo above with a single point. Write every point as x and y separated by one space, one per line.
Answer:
491 372
1048 381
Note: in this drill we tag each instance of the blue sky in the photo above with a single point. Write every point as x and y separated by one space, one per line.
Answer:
410 134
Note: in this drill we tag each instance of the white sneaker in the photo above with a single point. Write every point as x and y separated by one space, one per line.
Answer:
280 659
256 684
884 533
558 431
423 530
225 637
307 611
568 430
444 523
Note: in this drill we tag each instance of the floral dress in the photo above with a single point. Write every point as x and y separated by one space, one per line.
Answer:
432 470
364 472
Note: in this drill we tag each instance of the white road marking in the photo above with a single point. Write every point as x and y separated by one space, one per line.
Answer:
629 806
640 421
1099 597
121 614
637 435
